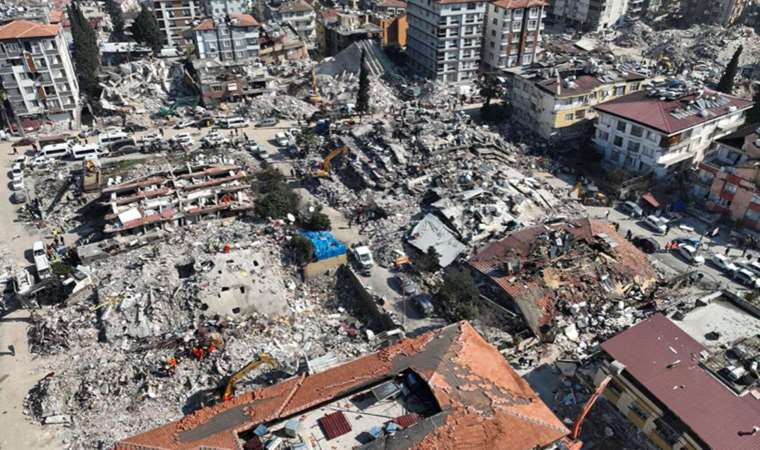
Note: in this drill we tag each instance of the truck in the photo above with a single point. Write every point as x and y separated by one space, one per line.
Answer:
41 262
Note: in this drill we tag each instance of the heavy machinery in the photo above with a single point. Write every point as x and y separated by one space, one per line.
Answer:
314 98
263 358
590 196
324 171
167 111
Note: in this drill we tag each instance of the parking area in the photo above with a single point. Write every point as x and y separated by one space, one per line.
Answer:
683 228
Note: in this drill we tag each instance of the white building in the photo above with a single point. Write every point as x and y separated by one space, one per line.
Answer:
662 131
445 37
37 73
232 38
297 13
588 15
175 18
221 8
513 33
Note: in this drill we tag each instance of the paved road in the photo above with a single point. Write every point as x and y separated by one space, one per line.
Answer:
670 260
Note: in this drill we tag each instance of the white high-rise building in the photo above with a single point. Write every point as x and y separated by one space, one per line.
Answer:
445 38
513 33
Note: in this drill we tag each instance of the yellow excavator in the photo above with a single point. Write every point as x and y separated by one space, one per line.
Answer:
324 171
314 98
264 358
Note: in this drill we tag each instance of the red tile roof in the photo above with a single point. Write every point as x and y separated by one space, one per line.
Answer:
237 20
484 402
23 29
655 113
583 84
518 4
712 411
334 425
56 16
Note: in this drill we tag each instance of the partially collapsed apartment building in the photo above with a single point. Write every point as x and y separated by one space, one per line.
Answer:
539 271
690 383
666 128
446 389
179 197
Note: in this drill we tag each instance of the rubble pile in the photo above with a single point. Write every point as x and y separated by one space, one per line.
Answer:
280 105
139 86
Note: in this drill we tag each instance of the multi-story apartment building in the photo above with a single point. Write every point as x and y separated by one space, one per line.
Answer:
666 128
557 103
728 180
720 12
301 16
37 73
513 33
175 18
221 8
227 38
445 38
588 15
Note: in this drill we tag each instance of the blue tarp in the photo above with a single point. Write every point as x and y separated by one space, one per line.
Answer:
325 245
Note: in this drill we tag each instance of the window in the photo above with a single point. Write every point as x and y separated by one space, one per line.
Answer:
532 24
11 47
569 116
580 114
533 12
752 216
495 21
620 90
471 6
730 188
633 147
647 151
636 409
216 88
621 126
602 135
618 142
516 26
527 59
637 131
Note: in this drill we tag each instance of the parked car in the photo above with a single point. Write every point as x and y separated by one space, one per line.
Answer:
723 263
184 124
646 244
256 150
408 287
41 262
282 139
17 172
151 138
213 139
423 304
183 139
747 278
690 255
656 224
752 266
631 209
694 242
267 122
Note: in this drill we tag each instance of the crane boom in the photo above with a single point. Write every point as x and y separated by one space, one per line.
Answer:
264 358
587 407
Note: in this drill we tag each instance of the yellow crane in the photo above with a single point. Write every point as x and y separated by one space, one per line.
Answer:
326 163
263 358
315 98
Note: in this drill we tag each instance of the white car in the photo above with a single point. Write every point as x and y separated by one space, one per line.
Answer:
690 254
183 138
151 138
256 150
17 172
184 124
282 139
40 161
657 224
18 185
214 138
723 263
747 278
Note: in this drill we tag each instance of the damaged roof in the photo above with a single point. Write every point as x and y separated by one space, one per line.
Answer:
538 282
484 403
723 420
431 232
24 29
518 4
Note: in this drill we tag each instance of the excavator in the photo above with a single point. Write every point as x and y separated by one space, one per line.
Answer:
315 98
324 171
263 358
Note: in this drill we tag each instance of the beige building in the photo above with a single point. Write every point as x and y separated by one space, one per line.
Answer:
558 102
513 33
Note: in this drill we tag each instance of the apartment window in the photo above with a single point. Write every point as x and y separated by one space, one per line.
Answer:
580 114
216 88
620 90
652 136
533 12
731 188
471 6
752 216
637 131
532 24
602 135
512 60
633 147
638 411
618 142
495 21
569 116
621 126
518 13
648 152
491 44
29 90
516 26
11 47
527 59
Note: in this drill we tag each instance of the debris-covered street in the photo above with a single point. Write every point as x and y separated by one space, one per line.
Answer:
307 225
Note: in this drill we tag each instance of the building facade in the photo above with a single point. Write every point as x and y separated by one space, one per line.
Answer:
588 15
221 8
37 73
232 38
299 15
728 180
720 12
558 103
445 38
390 16
175 18
513 33
648 133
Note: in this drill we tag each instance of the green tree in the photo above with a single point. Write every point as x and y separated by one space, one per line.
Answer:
86 52
269 179
301 250
145 29
277 204
429 261
117 18
362 95
458 295
726 83
317 221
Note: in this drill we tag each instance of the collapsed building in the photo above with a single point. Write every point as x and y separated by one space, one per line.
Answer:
579 268
447 388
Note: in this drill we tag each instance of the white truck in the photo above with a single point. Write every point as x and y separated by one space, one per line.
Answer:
41 262
363 257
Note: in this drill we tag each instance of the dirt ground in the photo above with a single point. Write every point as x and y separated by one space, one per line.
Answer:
20 372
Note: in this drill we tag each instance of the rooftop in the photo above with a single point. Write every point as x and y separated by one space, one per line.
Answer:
24 29
462 391
517 4
665 360
391 4
672 111
236 20
296 6
575 77
582 260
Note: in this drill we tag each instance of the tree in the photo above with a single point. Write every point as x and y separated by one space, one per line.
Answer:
491 88
301 250
269 179
753 115
86 52
726 83
277 204
362 95
430 261
317 221
117 18
458 295
145 29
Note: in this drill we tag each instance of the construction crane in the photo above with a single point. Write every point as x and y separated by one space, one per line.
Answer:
326 163
263 358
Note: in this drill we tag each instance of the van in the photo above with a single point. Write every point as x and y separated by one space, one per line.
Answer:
747 278
56 150
232 122
104 140
83 151
41 262
657 224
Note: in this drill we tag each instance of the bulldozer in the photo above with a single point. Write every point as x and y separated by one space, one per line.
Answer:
324 170
263 358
